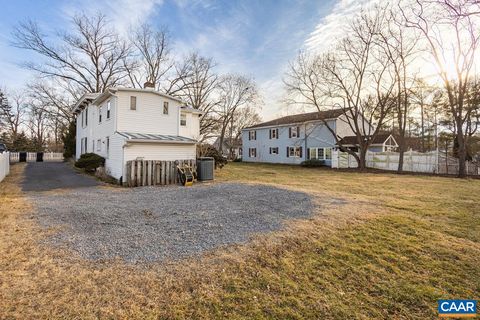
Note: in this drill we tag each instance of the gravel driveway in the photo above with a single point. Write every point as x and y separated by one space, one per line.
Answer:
157 223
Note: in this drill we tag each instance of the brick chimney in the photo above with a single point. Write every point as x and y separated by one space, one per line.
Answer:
148 85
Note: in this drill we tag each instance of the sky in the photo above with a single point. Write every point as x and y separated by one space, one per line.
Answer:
251 37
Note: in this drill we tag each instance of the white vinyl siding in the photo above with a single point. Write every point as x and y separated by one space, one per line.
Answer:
148 116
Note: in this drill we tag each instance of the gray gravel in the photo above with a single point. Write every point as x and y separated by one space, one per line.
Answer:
156 223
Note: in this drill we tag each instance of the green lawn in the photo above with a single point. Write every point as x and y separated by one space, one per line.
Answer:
393 247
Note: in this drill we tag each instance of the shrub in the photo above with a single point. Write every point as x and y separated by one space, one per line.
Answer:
90 162
313 163
238 159
207 150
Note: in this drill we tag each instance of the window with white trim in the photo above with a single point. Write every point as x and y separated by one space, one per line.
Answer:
294 152
320 153
274 133
165 107
133 103
99 145
273 150
252 152
108 146
183 119
294 132
252 135
109 106
100 115
86 116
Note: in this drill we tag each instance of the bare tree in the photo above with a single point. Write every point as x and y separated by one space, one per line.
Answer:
354 78
38 126
235 92
400 47
13 113
195 82
451 32
154 50
89 59
244 117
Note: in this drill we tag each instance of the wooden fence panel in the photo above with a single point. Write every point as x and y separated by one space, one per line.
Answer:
154 172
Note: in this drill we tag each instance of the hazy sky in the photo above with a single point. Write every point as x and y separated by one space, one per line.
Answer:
256 38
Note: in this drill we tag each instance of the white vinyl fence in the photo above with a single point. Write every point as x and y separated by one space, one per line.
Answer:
32 156
4 165
429 162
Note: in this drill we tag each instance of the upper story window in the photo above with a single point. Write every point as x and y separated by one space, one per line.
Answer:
109 106
294 132
86 116
83 117
274 133
183 119
165 107
133 103
100 115
252 135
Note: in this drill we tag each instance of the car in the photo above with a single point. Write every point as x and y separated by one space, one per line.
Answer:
3 148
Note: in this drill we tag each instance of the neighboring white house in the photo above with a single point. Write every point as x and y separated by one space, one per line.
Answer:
125 124
296 138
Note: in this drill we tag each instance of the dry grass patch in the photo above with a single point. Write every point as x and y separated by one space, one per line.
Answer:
400 243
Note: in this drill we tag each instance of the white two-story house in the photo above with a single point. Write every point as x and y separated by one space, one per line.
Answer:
125 124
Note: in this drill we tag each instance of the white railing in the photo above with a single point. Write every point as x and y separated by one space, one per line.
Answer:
4 165
428 162
32 156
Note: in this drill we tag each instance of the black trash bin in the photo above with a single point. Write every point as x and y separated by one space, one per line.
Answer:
205 168
22 157
39 156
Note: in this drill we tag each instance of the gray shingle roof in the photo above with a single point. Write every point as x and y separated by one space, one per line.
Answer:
155 137
302 117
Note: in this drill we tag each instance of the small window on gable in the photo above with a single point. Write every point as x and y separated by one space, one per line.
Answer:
133 103
100 115
165 107
108 109
183 119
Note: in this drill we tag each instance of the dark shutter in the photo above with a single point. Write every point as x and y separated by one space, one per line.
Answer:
270 133
308 153
300 152
298 132
289 132
287 153
270 150
277 132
